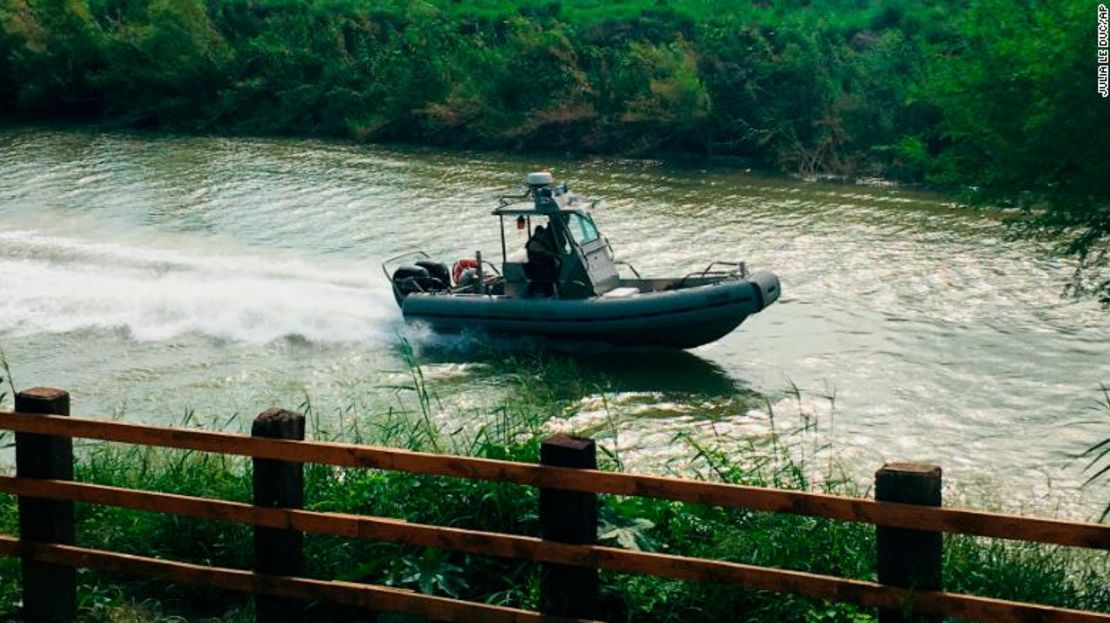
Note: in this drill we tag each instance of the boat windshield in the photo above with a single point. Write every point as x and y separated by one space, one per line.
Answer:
581 228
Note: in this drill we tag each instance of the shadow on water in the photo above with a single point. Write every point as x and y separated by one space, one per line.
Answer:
622 371
672 372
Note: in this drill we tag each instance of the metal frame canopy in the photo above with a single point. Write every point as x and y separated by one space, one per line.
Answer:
512 210
530 211
523 208
543 198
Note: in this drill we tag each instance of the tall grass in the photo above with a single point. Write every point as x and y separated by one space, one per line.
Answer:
1098 455
513 431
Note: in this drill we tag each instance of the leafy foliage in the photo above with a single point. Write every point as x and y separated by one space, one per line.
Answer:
1017 115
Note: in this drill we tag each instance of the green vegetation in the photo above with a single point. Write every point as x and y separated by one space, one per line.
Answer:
993 98
1059 576
1098 455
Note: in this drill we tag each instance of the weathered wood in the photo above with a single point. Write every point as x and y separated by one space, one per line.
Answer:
1059 532
278 484
866 594
300 589
49 591
568 517
908 558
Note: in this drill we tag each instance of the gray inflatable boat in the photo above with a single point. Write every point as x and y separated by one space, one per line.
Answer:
569 289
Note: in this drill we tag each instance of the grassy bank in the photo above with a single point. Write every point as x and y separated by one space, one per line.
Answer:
1057 576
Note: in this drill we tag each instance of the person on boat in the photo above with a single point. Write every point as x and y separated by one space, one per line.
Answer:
543 263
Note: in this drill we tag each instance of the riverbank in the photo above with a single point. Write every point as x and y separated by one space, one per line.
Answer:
805 89
1051 575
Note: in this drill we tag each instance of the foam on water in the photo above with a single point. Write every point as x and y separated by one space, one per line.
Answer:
166 287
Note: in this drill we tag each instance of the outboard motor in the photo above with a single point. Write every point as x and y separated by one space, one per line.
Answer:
409 279
439 273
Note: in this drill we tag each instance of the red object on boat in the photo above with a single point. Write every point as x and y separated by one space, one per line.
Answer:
461 265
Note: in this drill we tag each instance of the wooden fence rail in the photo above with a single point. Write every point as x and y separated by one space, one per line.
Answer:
955 521
366 596
908 530
529 548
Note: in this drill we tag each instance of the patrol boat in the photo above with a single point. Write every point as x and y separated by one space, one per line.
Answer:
569 288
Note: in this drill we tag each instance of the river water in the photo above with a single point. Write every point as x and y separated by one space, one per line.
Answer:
151 275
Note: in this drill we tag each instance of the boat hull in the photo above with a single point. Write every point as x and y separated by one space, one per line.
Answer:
683 318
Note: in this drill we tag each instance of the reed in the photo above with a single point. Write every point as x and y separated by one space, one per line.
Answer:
1098 455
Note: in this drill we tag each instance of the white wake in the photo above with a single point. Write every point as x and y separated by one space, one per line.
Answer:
160 288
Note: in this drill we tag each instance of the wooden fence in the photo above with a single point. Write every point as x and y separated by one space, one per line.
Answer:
907 514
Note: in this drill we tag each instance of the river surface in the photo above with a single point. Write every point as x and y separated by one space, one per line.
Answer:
152 275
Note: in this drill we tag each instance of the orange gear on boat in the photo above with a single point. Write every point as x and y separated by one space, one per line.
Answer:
461 265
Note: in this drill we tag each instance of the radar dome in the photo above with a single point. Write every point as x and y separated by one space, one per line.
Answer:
539 178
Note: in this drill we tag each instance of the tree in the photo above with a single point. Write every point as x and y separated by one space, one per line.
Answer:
1019 116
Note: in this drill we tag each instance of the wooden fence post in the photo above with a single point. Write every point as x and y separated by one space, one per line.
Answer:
49 591
278 484
908 558
568 517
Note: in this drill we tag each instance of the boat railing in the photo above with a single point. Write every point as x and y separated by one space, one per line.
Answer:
630 267
492 266
737 268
